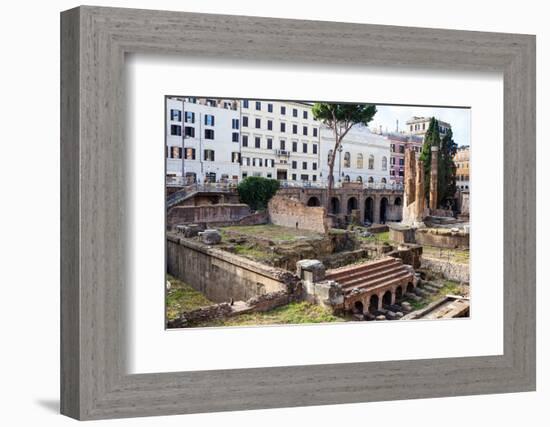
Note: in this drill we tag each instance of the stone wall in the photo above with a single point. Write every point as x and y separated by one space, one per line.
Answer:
442 238
290 212
449 270
402 234
410 254
207 214
222 276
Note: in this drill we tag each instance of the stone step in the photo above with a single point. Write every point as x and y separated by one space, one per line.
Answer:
369 265
370 282
382 272
343 280
384 283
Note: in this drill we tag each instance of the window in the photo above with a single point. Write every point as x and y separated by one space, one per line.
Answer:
209 155
175 115
244 175
304 165
294 112
392 160
347 160
305 114
294 164
294 129
314 166
211 102
283 110
314 148
258 105
245 121
304 177
282 144
293 177
258 123
402 149
235 137
371 179
209 134
176 152
359 179
175 130
192 100
294 147
257 142
269 143
245 103
270 108
359 161
371 162
392 148
190 153
314 131
269 175
189 131
401 162
245 140
283 127
347 179
314 178
329 156
384 163
234 123
270 125
383 180
189 117
209 120
304 130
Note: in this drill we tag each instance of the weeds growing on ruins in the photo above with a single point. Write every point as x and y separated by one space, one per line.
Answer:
286 212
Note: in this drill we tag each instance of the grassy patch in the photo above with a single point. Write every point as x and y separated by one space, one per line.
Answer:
293 313
383 237
461 256
450 287
252 252
182 297
271 232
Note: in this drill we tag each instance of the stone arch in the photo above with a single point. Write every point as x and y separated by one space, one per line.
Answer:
347 178
410 287
383 180
358 307
369 210
373 303
352 204
387 298
359 179
334 205
370 180
398 201
398 293
313 201
383 210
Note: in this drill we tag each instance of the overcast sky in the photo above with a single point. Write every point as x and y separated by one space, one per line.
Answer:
458 118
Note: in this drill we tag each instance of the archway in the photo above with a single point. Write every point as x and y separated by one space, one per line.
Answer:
383 208
313 201
410 288
398 293
386 298
397 201
358 307
334 205
373 303
352 204
369 210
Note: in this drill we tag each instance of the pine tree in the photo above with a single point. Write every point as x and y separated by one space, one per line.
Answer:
431 138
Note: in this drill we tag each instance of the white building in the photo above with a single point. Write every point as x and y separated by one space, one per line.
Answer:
364 156
279 140
202 139
419 126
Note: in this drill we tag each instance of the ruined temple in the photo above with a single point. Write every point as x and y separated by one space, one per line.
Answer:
414 198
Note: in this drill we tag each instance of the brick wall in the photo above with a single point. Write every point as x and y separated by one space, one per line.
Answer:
207 214
292 213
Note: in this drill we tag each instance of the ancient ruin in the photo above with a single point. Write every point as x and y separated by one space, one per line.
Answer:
414 206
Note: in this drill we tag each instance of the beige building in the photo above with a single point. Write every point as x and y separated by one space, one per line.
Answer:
420 125
462 163
279 140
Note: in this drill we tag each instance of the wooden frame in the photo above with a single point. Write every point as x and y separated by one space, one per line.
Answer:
94 41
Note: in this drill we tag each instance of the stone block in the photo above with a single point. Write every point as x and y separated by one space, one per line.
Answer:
310 270
210 237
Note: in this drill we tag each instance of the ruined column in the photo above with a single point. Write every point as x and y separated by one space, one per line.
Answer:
433 178
420 193
410 173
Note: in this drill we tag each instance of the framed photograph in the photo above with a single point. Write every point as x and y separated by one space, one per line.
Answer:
261 213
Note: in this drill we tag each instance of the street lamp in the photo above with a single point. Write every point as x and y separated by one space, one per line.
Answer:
340 149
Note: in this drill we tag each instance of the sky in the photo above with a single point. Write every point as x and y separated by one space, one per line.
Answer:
458 118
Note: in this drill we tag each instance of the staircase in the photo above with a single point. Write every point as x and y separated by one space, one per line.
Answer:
371 275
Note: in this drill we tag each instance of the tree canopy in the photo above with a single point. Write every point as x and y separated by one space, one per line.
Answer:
256 191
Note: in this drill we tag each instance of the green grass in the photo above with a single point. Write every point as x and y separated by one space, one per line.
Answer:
252 252
293 313
270 231
182 297
383 237
461 256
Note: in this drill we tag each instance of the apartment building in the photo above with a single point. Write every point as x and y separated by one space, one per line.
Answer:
399 143
202 139
419 126
279 140
462 163
363 156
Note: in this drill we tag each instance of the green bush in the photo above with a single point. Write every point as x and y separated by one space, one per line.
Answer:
256 191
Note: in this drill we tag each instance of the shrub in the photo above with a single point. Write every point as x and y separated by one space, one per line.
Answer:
256 191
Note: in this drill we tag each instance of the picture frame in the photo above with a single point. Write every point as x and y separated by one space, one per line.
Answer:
94 267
